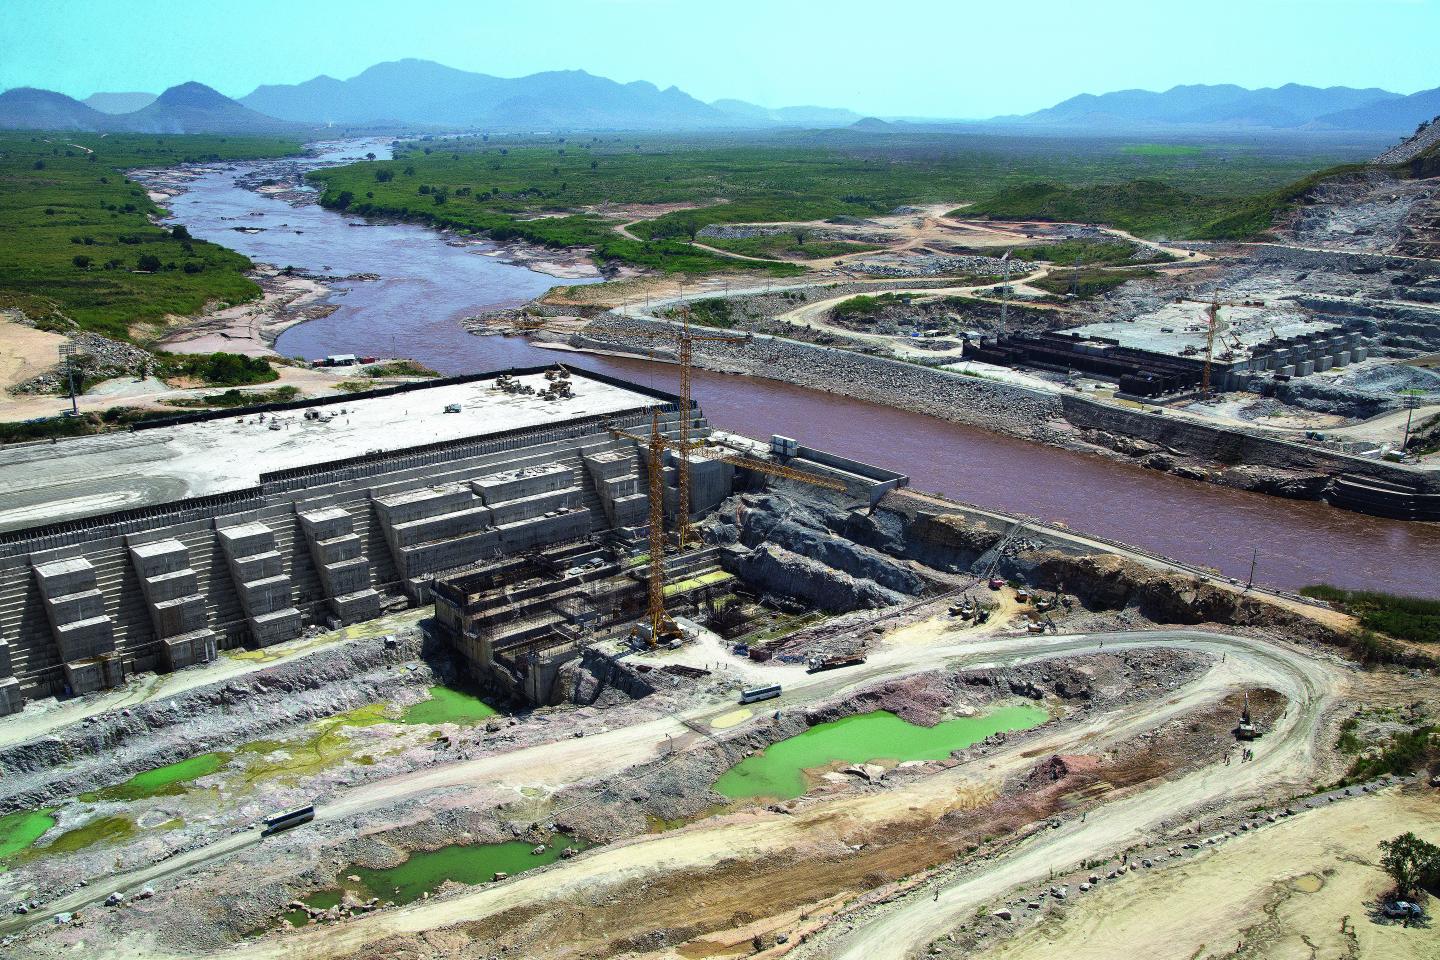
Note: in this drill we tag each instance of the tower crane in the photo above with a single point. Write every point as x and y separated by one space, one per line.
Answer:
656 444
685 341
1212 310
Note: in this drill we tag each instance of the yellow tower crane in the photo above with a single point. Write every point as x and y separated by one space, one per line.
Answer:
656 444
685 341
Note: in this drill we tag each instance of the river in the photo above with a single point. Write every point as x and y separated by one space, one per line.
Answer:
427 286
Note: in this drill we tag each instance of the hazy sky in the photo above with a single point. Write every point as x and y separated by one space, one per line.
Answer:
893 57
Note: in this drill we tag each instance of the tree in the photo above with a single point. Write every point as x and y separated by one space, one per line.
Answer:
179 232
384 175
82 261
1412 863
148 262
345 199
369 156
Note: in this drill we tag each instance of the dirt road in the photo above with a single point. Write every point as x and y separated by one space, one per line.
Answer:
1309 682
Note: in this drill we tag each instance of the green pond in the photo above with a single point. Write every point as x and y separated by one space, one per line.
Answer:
425 871
19 830
447 705
779 771
162 781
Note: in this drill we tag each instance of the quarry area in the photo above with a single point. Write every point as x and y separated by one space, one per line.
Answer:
557 669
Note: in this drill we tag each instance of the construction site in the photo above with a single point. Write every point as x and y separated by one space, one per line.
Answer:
441 669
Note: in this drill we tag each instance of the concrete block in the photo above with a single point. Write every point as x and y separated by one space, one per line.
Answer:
397 508
258 566
612 463
525 508
1342 359
168 586
347 576
337 549
246 539
61 577
260 597
188 649
326 524
1359 353
275 627
446 554
85 638
441 526
544 531
356 607
617 487
180 615
84 676
1304 368
1324 363
84 605
630 511
159 558
516 484
10 700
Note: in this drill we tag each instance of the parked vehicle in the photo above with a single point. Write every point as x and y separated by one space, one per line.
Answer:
760 693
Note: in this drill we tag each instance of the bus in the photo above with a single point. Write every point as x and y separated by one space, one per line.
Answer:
286 821
760 693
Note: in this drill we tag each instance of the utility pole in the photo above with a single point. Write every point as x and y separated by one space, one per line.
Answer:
1005 296
1254 557
1410 396
67 353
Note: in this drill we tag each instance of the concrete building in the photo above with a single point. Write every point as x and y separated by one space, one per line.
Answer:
154 549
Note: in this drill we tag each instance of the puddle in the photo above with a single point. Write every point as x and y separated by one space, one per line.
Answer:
104 830
165 781
426 871
779 771
732 719
1308 883
19 830
448 705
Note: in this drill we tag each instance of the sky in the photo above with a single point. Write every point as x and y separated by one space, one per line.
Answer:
922 58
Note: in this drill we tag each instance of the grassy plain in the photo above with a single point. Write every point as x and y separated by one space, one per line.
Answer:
559 190
77 243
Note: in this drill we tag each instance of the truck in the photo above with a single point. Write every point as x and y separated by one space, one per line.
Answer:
817 664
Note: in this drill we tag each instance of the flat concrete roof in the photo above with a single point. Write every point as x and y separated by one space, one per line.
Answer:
1180 329
44 483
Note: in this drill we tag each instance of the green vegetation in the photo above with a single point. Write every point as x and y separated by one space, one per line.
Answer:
788 246
1090 253
217 369
866 308
76 242
57 428
710 312
328 745
1162 150
163 781
237 398
1413 864
1406 753
555 190
1087 282
447 705
1406 618
778 771
400 368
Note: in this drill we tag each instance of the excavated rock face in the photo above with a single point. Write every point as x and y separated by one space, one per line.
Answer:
806 551
794 575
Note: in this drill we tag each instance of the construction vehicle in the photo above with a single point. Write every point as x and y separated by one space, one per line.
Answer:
660 625
1246 729
818 664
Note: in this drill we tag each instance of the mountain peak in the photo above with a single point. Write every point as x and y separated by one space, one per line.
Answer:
193 94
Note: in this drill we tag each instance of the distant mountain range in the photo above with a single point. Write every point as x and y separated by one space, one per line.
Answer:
188 108
420 94
1228 107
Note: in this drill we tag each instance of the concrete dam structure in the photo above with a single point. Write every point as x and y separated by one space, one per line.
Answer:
243 528
324 512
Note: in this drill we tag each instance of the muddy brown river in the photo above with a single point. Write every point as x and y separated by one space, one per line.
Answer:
426 287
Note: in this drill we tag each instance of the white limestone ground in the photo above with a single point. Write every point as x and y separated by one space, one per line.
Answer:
72 478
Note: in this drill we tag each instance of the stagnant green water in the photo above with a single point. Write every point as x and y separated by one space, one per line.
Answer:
779 771
424 872
19 830
162 781
447 705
